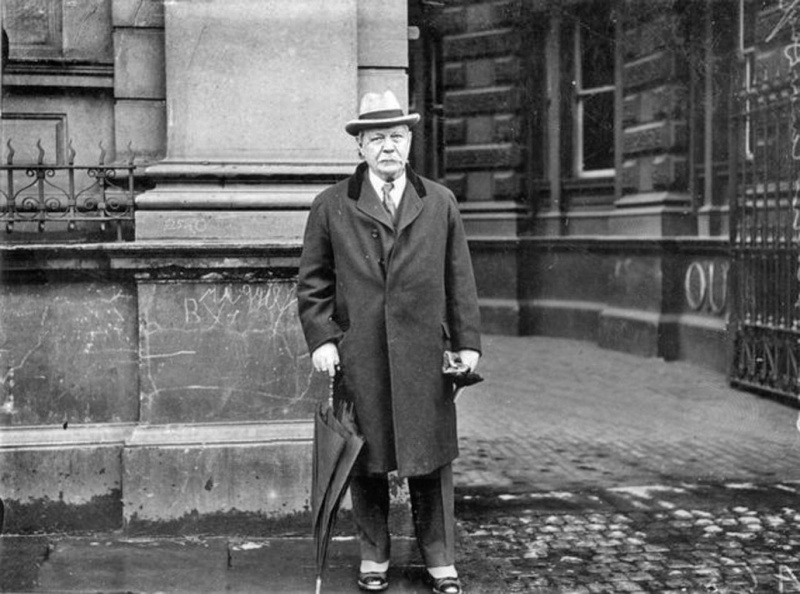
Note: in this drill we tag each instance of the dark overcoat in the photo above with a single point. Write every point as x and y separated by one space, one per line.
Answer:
392 298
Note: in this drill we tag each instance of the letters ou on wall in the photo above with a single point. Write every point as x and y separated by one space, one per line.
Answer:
706 286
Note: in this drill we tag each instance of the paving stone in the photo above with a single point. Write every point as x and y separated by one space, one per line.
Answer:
697 513
749 519
616 535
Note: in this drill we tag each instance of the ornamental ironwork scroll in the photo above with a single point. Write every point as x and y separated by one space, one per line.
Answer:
38 195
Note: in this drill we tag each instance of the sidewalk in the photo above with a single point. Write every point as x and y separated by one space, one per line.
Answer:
565 414
582 470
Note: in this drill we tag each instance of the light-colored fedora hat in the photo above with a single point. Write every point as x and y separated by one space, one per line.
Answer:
380 110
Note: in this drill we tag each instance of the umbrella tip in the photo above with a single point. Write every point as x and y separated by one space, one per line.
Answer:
319 585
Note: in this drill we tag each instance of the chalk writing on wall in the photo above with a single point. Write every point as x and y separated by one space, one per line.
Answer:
223 351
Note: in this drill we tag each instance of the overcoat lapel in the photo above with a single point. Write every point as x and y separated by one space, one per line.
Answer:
410 207
371 205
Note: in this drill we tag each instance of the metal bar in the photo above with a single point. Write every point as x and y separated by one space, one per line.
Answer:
785 220
759 154
766 237
11 198
73 199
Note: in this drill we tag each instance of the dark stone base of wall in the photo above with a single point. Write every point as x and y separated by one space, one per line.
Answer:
103 513
500 316
649 297
156 387
632 332
709 345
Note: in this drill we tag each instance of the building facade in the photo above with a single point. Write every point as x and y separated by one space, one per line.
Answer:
625 172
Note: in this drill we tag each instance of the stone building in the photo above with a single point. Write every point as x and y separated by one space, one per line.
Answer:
624 169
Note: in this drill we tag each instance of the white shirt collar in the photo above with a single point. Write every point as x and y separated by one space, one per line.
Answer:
397 190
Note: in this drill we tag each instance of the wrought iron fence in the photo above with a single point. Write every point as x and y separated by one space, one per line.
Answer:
39 196
764 229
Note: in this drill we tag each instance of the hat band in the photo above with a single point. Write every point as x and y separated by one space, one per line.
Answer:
386 114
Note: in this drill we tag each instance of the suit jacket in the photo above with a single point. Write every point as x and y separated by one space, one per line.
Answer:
392 299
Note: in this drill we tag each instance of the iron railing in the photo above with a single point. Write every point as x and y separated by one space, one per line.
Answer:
39 196
764 237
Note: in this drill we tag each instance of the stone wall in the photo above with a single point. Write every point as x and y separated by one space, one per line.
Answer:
655 48
164 384
651 297
130 400
57 84
483 54
602 259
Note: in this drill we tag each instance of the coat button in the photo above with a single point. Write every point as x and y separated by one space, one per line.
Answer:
375 233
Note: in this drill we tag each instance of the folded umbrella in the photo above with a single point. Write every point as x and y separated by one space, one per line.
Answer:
336 448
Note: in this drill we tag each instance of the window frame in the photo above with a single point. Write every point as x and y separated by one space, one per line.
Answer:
580 95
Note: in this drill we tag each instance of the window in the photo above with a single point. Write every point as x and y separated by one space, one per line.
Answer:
594 91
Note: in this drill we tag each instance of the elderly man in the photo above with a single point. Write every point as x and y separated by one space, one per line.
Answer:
385 287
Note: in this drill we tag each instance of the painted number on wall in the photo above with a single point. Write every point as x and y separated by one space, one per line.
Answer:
706 286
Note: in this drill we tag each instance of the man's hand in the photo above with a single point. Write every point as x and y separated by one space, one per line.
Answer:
326 358
469 358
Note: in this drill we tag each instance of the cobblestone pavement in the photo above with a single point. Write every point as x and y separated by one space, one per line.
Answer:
585 470
736 538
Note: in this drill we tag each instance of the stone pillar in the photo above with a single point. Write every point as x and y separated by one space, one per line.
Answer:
641 308
655 135
552 216
382 48
257 94
139 79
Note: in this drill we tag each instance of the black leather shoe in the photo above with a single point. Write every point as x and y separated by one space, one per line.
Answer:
373 581
447 585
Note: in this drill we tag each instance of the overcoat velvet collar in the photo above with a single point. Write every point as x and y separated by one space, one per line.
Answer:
357 179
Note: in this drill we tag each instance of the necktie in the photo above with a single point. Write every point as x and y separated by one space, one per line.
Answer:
388 203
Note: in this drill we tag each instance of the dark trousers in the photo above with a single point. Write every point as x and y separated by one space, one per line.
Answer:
432 507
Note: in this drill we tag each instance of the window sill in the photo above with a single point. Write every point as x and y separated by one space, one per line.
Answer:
599 186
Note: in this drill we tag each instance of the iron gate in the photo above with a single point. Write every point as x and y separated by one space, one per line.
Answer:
764 225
